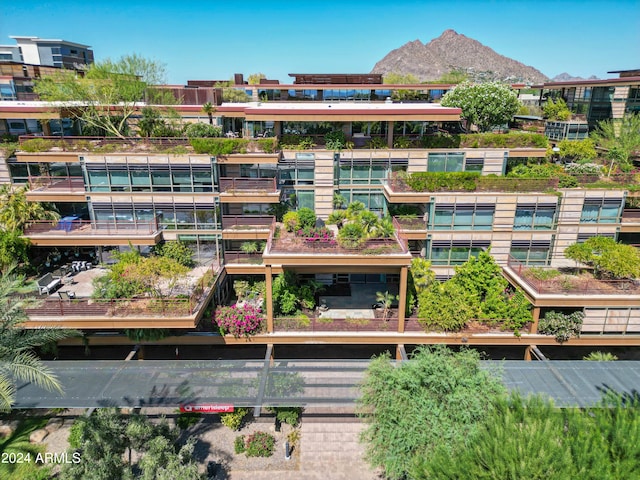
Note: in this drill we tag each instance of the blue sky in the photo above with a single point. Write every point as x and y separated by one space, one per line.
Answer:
215 39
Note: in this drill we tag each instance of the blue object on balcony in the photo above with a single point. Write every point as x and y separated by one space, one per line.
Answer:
66 223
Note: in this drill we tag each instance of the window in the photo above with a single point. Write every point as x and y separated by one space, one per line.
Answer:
534 216
366 171
445 162
583 237
601 210
531 252
372 199
462 217
474 165
454 252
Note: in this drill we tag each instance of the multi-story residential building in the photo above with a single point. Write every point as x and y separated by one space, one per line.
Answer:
217 203
47 52
598 99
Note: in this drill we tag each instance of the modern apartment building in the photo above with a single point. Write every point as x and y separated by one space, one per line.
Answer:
598 99
131 194
47 52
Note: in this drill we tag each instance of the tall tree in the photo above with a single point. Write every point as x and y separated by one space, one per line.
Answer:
17 359
484 104
107 95
436 398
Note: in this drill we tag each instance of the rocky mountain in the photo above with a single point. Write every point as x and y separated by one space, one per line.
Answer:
565 77
453 51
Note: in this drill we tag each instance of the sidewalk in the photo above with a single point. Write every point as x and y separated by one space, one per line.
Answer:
329 450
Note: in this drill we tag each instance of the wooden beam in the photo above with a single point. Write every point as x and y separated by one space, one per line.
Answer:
269 294
402 301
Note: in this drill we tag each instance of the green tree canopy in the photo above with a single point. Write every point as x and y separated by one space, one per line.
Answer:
557 110
530 438
436 398
108 94
606 256
483 104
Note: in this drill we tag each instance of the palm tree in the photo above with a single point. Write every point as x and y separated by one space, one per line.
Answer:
386 299
209 109
17 360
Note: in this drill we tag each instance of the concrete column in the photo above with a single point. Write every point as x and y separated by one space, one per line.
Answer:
390 125
402 301
536 317
269 299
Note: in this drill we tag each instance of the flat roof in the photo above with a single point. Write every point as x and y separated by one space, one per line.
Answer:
605 82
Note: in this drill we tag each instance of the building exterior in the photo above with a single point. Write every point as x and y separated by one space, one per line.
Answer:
217 203
47 52
598 99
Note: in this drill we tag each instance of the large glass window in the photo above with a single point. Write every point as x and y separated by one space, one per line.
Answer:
534 216
601 210
445 162
462 217
531 252
146 178
454 252
372 199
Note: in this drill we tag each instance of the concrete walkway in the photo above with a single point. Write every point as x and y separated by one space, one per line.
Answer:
329 450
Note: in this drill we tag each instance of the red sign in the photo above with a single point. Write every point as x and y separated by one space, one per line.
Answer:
206 408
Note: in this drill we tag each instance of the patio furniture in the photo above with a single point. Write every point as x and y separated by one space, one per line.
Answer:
68 295
48 284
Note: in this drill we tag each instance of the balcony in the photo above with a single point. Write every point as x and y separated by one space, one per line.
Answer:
71 231
630 220
412 227
243 263
288 248
248 190
548 287
56 189
86 312
250 227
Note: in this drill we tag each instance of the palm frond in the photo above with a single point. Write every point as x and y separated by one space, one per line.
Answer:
27 367
7 393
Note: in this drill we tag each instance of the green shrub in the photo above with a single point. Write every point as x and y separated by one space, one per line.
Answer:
202 130
601 357
177 251
352 235
233 420
578 149
288 415
239 444
442 181
37 145
267 145
566 181
75 433
187 419
538 273
562 326
445 307
260 444
219 146
306 217
291 221
441 140
377 143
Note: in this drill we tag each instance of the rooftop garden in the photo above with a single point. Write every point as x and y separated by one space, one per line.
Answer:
357 231
603 267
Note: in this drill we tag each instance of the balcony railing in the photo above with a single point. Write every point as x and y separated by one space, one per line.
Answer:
631 215
410 223
88 227
244 258
246 222
582 284
247 185
56 184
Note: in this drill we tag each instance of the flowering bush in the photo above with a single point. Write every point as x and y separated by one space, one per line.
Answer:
260 444
239 321
321 236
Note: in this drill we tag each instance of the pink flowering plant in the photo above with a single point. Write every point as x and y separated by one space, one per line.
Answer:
320 236
239 321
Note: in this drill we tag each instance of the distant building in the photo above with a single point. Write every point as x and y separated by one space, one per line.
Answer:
47 52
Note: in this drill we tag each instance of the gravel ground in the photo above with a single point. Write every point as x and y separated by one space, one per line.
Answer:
215 442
